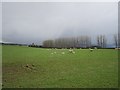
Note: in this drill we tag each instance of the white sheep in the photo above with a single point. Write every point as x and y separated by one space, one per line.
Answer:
71 51
63 52
91 49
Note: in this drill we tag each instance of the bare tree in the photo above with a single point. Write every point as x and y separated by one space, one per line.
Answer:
101 41
104 41
48 43
69 42
87 41
84 41
116 40
98 40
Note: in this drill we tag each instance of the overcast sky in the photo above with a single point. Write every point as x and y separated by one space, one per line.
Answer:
34 22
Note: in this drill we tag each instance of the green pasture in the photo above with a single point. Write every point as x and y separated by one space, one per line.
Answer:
26 67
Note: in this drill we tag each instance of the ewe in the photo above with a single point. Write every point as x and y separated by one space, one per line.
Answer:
71 51
91 49
63 52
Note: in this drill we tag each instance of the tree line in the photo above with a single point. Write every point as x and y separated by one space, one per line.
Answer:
79 42
69 42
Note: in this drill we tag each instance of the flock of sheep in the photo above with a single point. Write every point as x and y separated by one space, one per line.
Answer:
69 51
73 52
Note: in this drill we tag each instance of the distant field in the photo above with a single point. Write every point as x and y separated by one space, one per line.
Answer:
25 67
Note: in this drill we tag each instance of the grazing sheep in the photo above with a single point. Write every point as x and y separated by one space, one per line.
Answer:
63 52
71 51
91 49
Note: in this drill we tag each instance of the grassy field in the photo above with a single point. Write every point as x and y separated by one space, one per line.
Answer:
25 67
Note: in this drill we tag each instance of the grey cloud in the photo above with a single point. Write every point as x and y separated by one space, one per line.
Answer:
35 22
